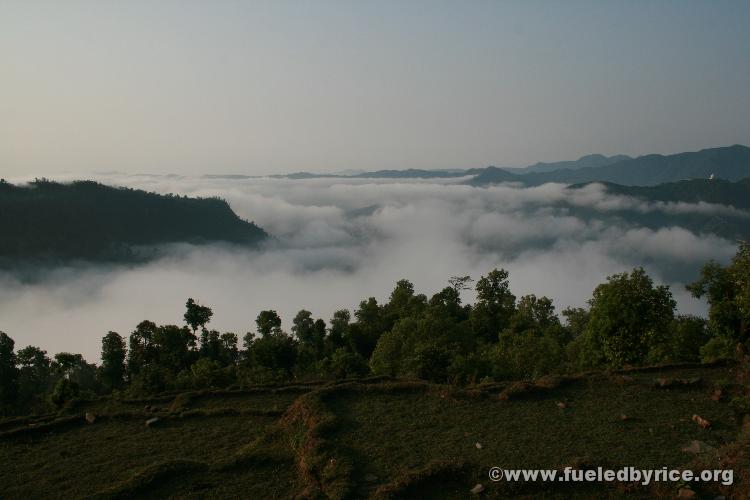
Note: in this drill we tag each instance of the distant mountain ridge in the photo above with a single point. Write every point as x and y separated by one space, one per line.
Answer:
730 163
587 161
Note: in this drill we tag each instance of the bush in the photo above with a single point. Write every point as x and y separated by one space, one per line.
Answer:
64 391
206 373
345 363
530 355
152 379
682 341
431 363
718 348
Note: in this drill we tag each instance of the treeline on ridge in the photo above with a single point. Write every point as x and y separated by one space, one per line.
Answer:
86 220
629 321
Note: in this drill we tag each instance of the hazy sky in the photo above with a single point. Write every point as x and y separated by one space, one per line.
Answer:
267 87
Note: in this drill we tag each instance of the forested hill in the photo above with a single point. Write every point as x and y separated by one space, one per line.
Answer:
728 224
85 220
718 191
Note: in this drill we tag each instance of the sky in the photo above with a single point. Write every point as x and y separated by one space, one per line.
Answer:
193 87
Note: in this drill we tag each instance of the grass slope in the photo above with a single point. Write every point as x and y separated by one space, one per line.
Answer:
372 438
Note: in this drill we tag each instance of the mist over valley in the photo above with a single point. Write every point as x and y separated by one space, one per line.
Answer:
336 241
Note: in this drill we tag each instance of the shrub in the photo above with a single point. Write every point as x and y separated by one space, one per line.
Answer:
345 363
64 391
719 347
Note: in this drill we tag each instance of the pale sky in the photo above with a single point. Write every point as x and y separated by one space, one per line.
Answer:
269 87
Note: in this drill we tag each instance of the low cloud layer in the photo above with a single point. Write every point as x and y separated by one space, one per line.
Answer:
339 241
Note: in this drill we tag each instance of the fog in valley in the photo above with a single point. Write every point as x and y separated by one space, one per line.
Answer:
338 241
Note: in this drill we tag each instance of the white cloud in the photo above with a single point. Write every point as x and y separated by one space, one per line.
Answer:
325 257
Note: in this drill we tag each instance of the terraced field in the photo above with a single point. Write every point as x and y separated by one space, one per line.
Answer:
378 438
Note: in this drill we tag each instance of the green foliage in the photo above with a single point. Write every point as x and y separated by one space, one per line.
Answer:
371 323
718 348
682 342
207 373
276 352
268 322
34 378
717 284
728 292
196 315
528 355
628 316
141 349
431 362
150 379
389 357
345 364
173 347
339 330
112 370
82 374
8 372
64 391
495 305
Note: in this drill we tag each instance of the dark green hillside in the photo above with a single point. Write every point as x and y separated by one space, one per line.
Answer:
494 175
90 221
718 191
727 224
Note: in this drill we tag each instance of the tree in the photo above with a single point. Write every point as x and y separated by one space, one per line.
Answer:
576 319
172 345
302 327
449 300
211 346
64 391
229 351
460 283
268 322
339 330
66 363
683 341
345 364
728 292
8 371
400 298
141 349
629 315
113 361
197 315
276 352
495 305
34 375
370 325
80 373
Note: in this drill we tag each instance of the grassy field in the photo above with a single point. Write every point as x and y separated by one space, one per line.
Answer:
377 438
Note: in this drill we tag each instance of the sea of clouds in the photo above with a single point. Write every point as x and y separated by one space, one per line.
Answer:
338 241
